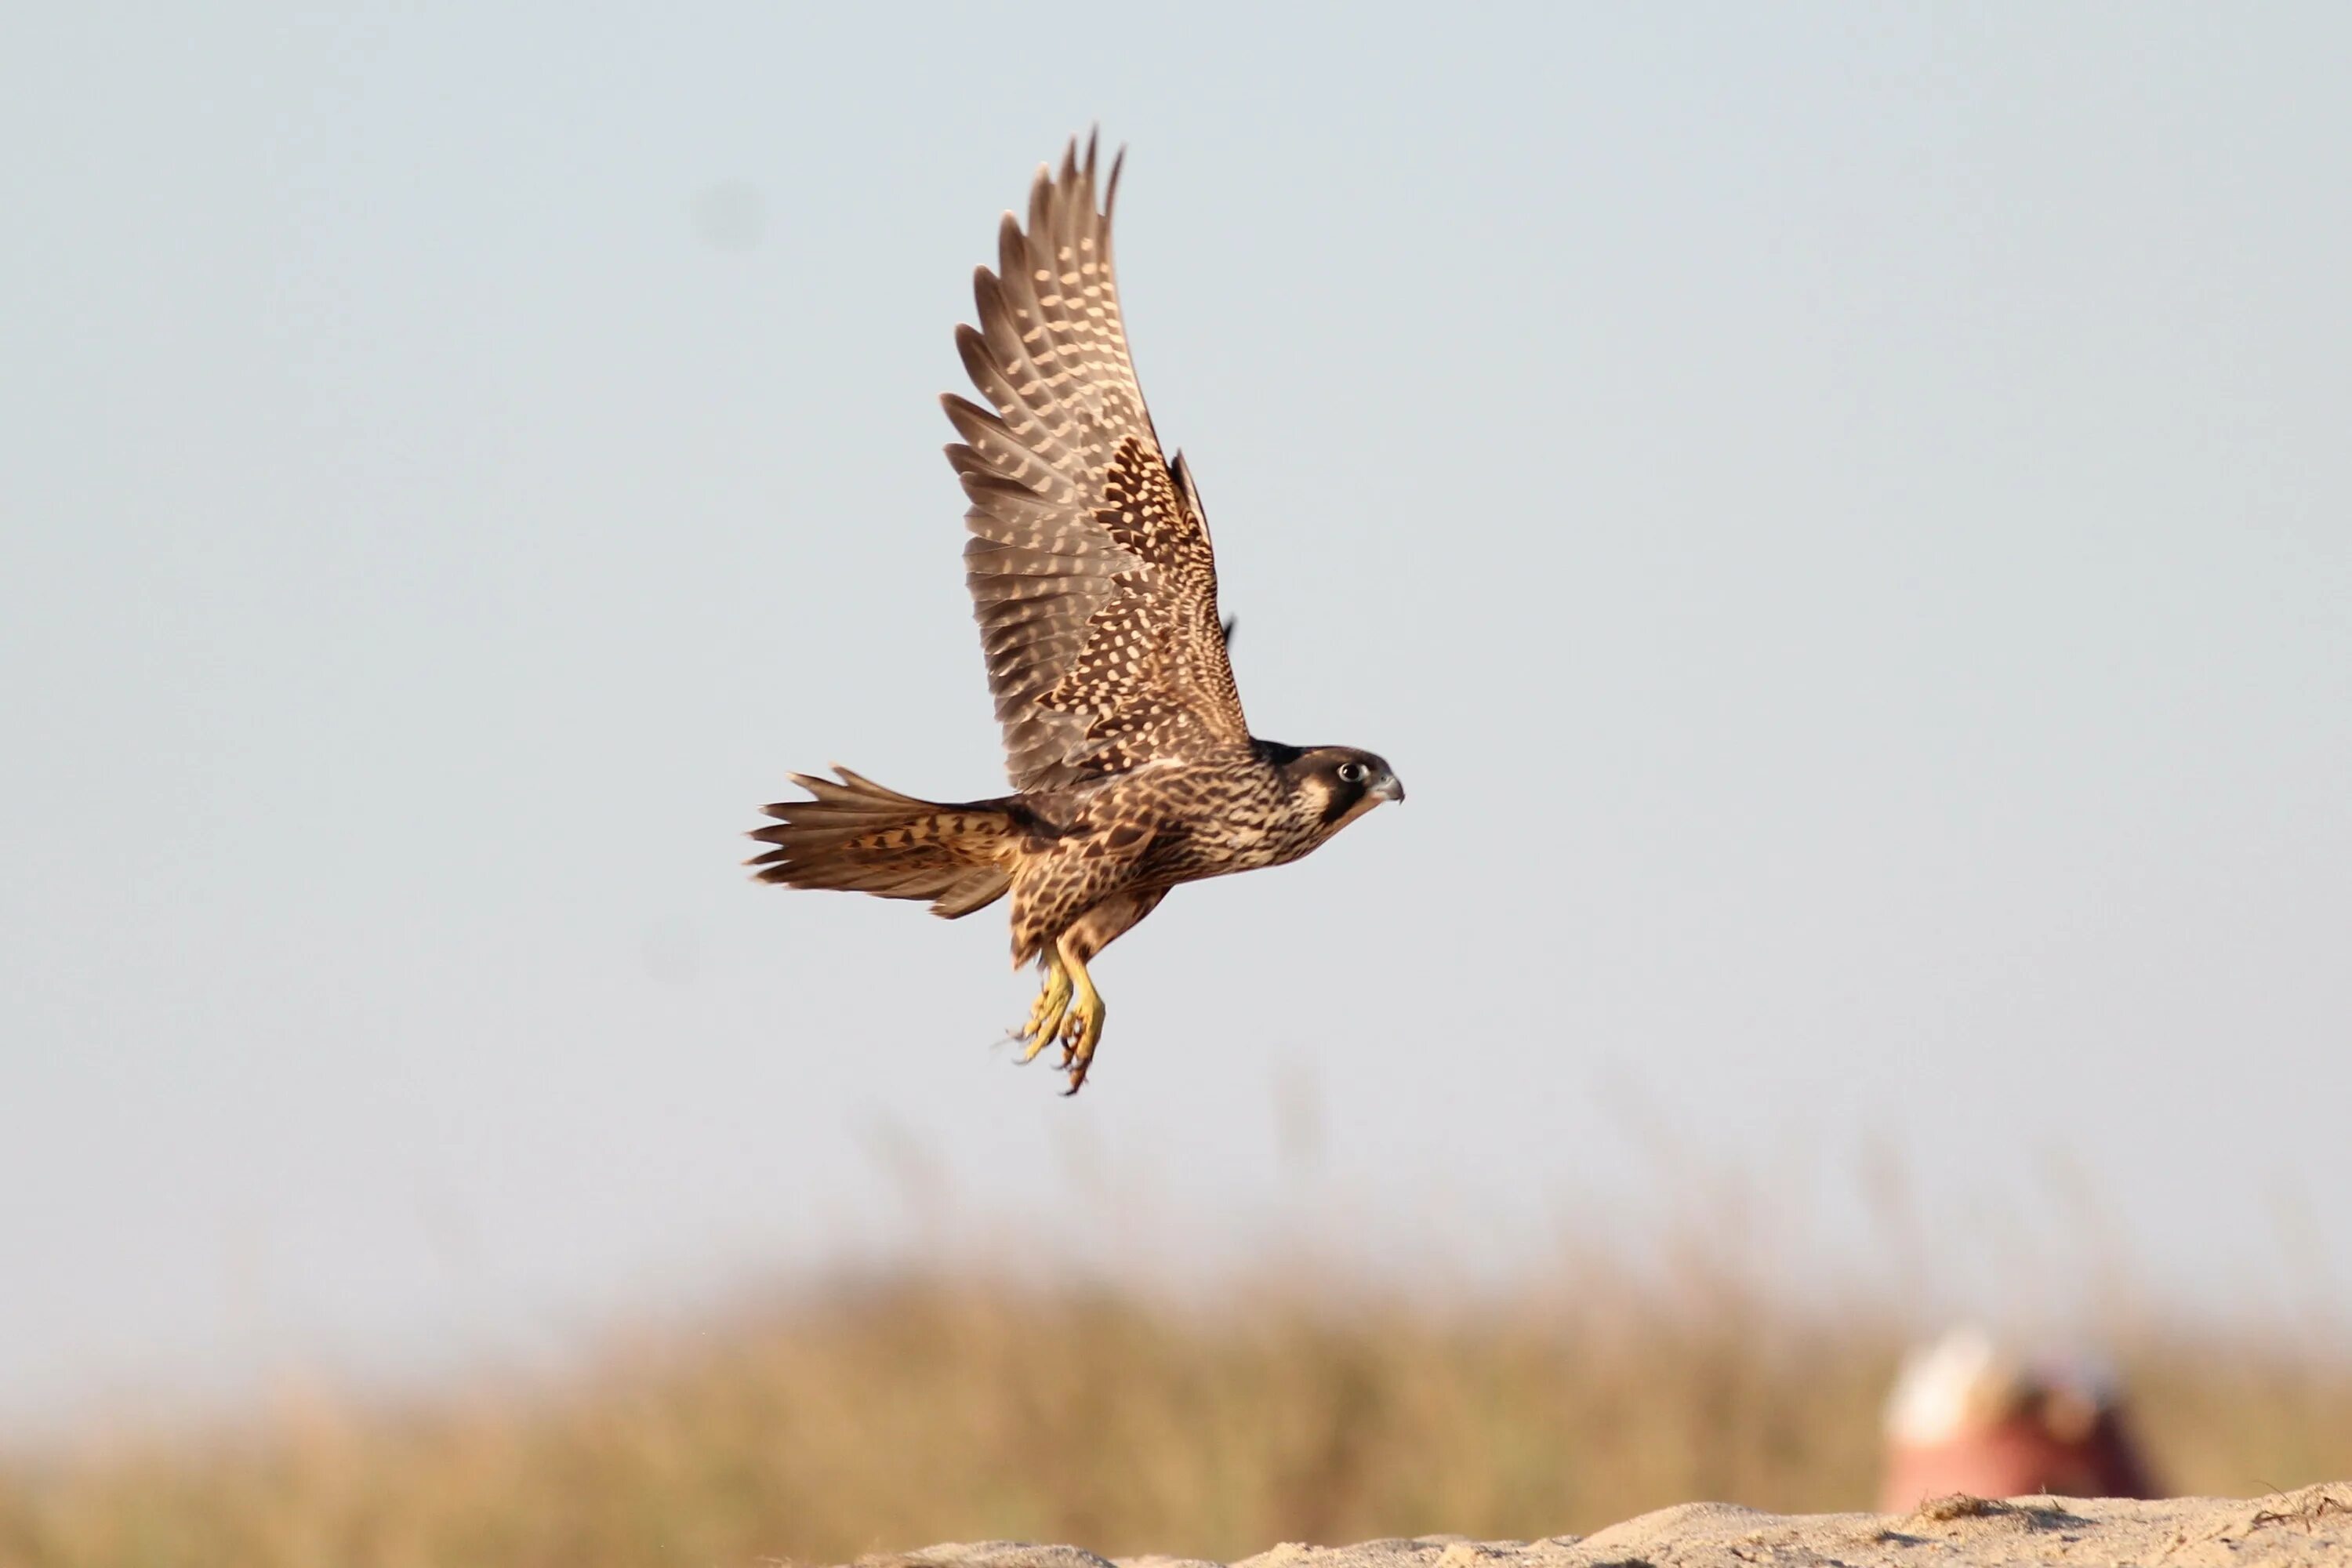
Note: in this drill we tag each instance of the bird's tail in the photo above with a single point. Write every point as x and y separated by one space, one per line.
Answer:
858 836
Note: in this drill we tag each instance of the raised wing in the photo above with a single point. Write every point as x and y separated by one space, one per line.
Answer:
1089 564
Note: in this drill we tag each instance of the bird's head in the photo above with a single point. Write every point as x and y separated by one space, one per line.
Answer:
1339 782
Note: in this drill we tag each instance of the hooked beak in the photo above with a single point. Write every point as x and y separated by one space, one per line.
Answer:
1390 788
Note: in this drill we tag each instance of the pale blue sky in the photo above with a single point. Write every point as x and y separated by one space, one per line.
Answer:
1841 515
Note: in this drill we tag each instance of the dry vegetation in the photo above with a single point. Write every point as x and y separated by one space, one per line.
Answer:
899 1413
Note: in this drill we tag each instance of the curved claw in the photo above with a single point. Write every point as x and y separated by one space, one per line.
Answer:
1081 1032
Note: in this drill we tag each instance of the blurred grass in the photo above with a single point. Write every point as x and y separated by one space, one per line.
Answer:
896 1413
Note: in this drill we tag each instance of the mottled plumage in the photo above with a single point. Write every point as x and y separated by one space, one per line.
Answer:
1096 589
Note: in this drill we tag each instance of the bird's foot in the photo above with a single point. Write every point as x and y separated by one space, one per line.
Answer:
1046 1016
1081 1032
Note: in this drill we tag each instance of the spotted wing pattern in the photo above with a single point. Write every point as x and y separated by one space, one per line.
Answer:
1090 565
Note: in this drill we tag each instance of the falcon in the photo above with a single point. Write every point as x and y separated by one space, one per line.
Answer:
1095 590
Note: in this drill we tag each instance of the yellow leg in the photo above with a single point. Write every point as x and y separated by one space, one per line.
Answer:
1045 1013
1082 1029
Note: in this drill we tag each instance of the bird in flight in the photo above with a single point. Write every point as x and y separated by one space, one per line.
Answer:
1095 590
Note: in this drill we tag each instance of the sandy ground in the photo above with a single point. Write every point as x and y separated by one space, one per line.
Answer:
2313 1525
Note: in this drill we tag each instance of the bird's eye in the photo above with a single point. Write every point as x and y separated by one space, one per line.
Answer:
1353 773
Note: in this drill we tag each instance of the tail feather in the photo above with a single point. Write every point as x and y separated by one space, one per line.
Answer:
859 836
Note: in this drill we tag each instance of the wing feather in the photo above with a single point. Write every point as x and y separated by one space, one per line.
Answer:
1089 563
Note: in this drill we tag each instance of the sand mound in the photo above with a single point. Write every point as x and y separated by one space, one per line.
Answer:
2313 1525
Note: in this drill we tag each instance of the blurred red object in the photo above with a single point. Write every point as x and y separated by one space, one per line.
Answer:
1968 1417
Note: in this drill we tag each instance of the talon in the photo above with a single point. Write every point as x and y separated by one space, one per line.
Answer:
1077 1058
1046 1014
1082 1028
1036 1043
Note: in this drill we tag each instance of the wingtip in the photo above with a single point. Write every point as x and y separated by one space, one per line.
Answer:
1040 201
1091 169
1013 242
1080 173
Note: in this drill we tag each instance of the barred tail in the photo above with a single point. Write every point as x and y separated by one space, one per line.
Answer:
858 836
